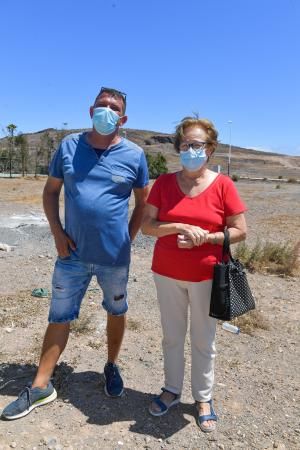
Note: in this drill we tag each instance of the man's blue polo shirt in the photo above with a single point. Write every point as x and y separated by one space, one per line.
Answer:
97 190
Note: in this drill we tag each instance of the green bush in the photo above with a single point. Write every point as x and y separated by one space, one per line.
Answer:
292 180
280 177
278 186
157 164
235 177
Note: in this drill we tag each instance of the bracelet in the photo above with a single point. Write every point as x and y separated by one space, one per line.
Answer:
215 239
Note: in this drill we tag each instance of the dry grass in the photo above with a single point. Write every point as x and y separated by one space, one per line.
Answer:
253 320
29 199
95 344
20 309
83 325
278 258
133 324
34 352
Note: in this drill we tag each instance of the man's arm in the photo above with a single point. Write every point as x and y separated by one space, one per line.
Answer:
51 195
140 197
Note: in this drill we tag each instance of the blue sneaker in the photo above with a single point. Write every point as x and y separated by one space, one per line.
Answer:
114 386
29 399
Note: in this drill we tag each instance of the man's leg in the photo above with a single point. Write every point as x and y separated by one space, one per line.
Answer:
55 340
114 385
113 282
42 391
115 332
69 283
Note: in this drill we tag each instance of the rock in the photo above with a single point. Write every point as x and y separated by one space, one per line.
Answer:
13 445
51 442
6 247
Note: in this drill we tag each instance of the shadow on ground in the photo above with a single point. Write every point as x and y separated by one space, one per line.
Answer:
84 390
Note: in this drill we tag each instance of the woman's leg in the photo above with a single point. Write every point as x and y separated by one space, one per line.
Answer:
173 301
203 330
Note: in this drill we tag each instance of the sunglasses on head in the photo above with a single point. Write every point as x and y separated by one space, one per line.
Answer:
114 92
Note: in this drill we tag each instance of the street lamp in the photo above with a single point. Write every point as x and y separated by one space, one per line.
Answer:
229 152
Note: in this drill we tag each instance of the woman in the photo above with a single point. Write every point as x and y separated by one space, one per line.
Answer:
187 211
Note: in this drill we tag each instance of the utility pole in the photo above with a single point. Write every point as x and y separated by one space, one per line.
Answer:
229 151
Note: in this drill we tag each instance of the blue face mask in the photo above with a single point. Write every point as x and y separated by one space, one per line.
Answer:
193 159
105 120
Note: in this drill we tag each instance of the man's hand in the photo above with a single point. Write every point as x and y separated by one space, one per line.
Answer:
63 243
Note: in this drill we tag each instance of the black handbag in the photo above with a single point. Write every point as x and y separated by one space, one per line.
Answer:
231 295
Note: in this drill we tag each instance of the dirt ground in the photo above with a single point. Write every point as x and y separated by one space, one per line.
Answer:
257 375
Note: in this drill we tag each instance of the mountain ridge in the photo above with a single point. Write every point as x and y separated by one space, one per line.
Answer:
244 161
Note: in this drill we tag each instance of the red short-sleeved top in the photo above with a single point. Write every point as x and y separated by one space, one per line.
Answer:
207 210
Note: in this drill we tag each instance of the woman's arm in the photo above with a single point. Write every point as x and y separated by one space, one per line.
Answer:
237 228
237 231
154 227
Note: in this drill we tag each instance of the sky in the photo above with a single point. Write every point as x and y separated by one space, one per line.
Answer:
236 62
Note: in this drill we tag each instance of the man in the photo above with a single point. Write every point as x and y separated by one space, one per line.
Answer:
98 170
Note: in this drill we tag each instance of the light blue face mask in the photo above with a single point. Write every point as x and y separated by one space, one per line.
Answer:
193 159
105 120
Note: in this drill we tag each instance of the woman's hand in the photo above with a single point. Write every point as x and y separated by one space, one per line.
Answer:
183 242
197 235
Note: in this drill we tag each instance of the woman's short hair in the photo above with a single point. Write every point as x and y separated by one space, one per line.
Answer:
205 124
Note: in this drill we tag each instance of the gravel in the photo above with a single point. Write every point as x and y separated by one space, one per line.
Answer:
256 391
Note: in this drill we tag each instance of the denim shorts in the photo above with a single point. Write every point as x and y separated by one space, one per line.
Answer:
70 281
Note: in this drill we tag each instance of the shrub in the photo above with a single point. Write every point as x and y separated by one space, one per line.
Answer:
157 164
292 180
278 186
280 177
235 177
251 321
280 258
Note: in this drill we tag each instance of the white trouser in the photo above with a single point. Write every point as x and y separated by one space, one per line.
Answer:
174 296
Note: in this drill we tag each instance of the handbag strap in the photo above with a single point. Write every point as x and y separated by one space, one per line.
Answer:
226 245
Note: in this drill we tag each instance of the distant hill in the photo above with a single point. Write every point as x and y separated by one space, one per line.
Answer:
244 161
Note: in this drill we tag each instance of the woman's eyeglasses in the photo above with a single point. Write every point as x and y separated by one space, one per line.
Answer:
194 145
